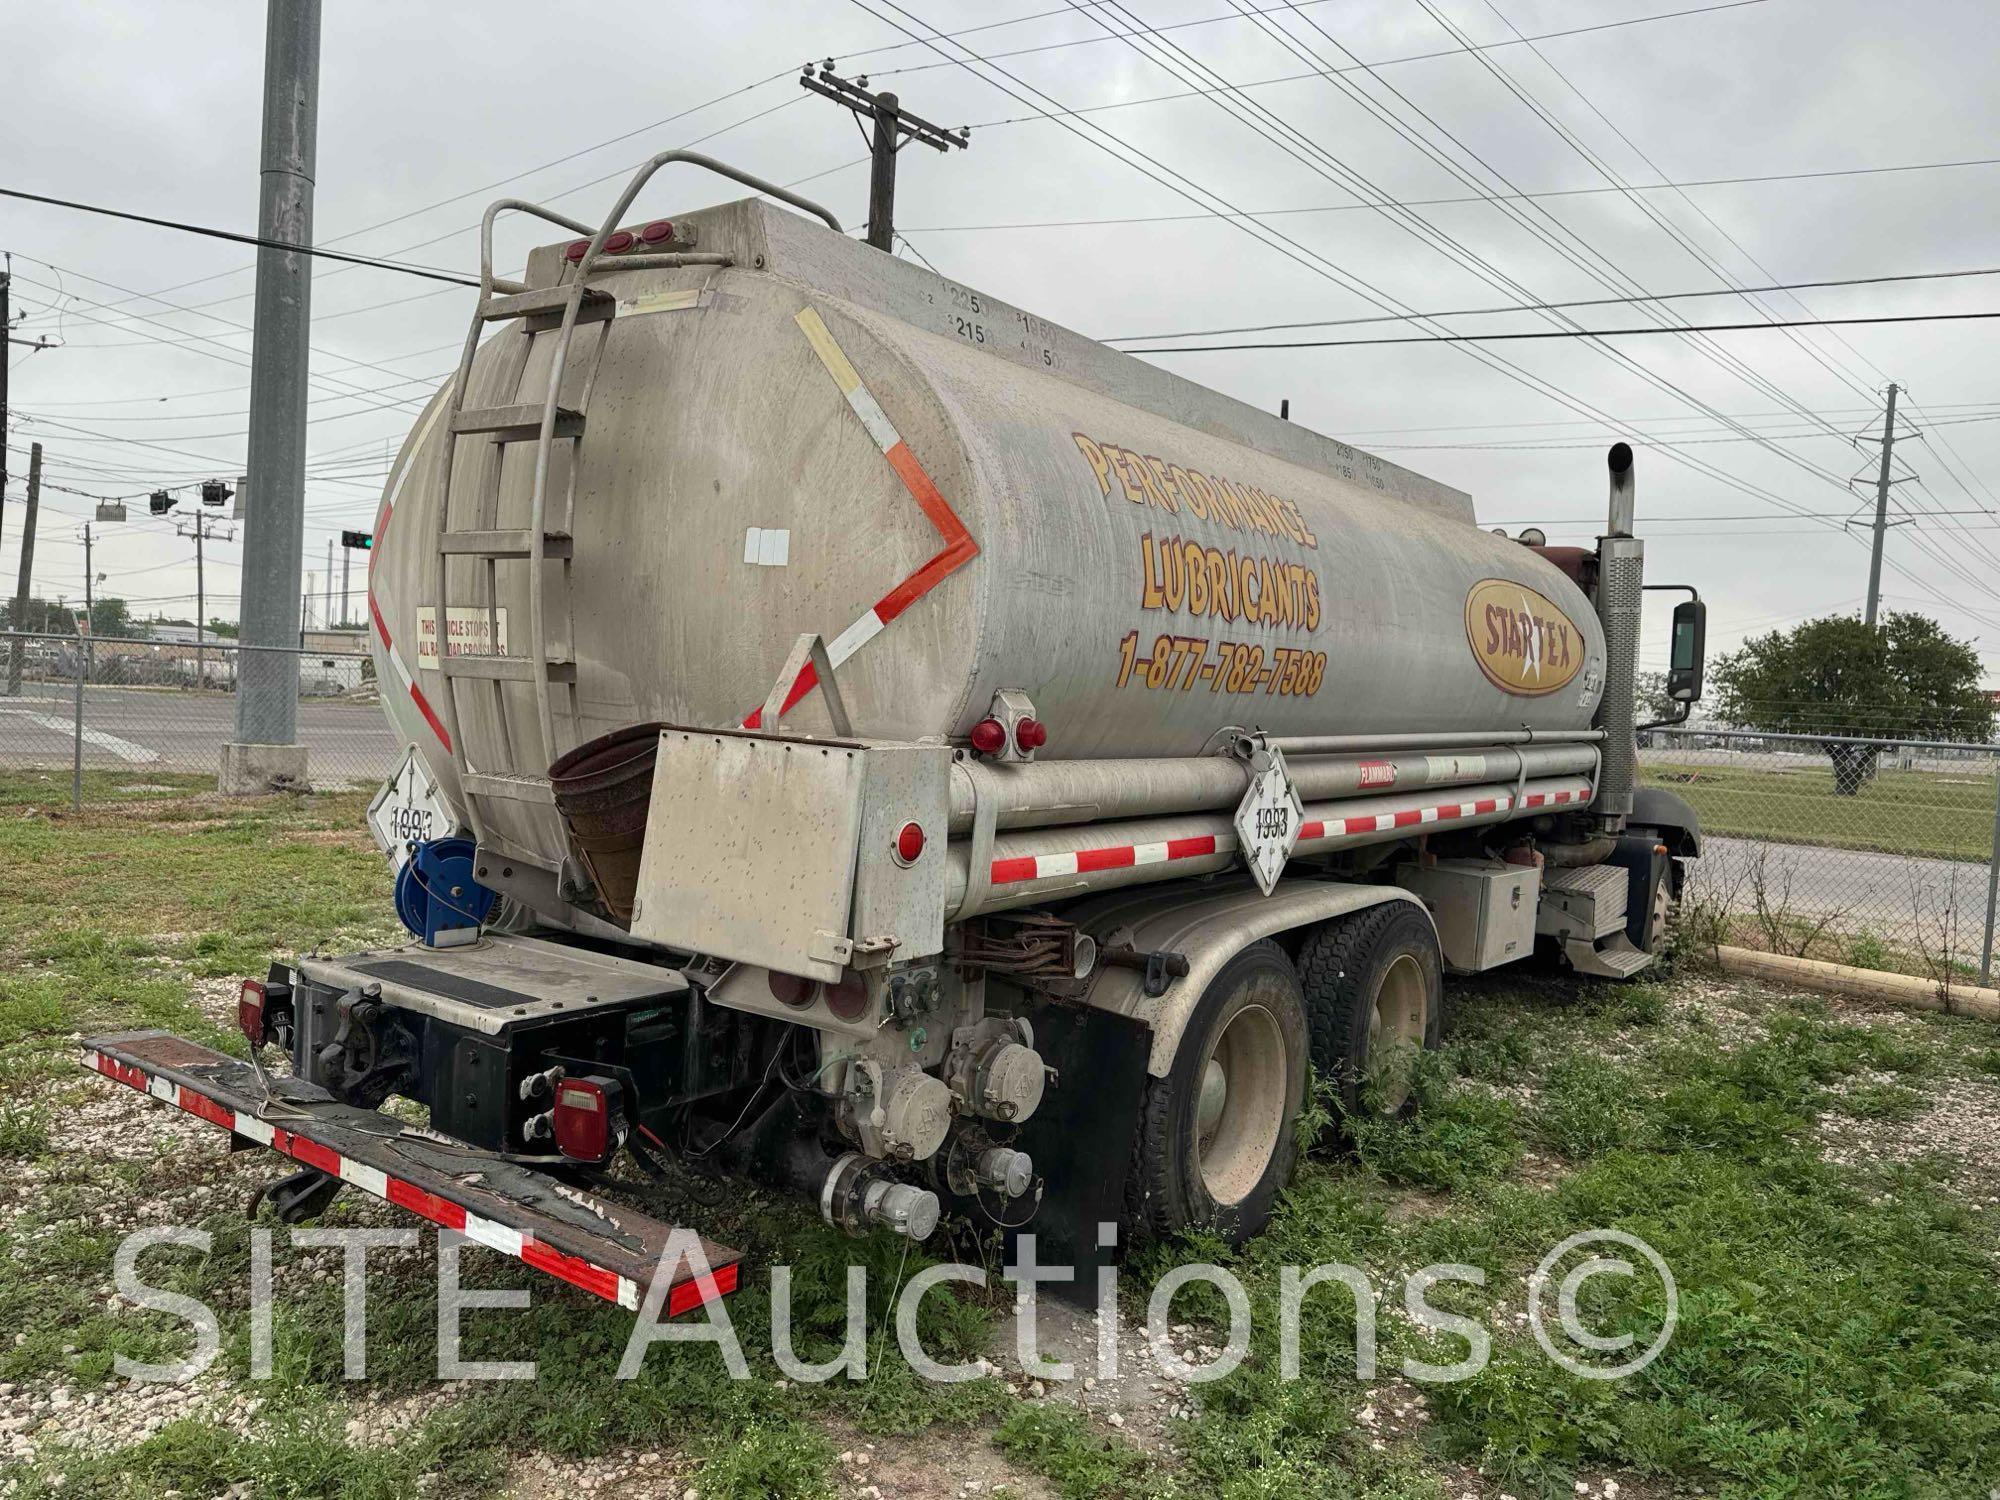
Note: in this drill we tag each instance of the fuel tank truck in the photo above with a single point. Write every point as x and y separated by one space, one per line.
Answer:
866 739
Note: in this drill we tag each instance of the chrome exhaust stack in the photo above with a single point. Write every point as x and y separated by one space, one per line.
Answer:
1621 581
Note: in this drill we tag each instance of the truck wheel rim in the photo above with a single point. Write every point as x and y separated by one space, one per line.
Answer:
1396 1027
1240 1107
1663 910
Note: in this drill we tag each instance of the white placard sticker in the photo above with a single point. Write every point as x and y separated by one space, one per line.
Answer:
409 809
1446 769
767 547
1268 820
471 633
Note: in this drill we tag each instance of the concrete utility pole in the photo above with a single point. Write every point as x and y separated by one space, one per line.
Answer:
1881 509
82 671
266 752
6 327
346 562
893 127
27 567
89 603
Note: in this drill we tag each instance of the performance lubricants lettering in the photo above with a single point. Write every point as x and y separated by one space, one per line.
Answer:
1204 577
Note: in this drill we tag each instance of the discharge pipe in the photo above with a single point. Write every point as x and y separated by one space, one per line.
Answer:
1053 794
1039 865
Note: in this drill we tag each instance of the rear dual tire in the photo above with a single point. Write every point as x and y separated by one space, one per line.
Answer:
1374 983
1217 1142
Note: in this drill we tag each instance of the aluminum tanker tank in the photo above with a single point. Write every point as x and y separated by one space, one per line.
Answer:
961 498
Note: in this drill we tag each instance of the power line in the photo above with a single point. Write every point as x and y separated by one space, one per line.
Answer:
1212 20
1568 446
1818 515
1859 387
1549 230
721 98
1582 333
1422 229
429 272
1348 208
1650 422
1205 198
1520 307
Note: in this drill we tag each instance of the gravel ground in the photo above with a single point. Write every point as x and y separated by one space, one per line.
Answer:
117 1158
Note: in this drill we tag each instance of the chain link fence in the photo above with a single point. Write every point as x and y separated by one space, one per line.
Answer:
107 714
1859 846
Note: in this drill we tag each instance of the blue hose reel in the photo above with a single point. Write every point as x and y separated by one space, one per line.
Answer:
436 896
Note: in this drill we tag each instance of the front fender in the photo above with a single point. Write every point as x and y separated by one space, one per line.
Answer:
1670 813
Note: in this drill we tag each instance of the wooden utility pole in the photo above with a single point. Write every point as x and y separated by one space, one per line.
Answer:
894 127
202 527
27 569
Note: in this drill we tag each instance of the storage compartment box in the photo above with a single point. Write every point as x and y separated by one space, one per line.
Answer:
1484 909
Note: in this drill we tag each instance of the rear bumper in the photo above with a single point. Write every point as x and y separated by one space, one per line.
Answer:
605 1248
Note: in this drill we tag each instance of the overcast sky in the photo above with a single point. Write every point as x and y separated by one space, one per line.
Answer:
428 111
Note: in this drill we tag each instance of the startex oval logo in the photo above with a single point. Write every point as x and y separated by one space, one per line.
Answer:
1522 642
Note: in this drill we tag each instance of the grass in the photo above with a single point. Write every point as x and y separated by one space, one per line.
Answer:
1839 1326
1941 815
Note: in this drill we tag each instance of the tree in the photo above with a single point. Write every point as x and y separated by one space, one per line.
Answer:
111 617
42 615
1903 679
1649 694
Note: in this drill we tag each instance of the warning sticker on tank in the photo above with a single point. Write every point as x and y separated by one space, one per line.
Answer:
1377 773
470 630
1523 643
1445 770
658 302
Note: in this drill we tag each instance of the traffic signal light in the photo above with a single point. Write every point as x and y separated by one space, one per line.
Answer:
160 502
357 541
214 492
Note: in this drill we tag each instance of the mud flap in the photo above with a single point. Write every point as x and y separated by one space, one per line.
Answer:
603 1247
1081 1137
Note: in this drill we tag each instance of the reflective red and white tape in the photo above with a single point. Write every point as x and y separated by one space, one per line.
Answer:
959 547
598 1280
1118 856
396 663
1444 812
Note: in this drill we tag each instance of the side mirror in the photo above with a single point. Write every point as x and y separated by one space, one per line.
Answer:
1690 645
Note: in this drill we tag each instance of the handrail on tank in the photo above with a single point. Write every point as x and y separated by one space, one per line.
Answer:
721 169
517 205
559 363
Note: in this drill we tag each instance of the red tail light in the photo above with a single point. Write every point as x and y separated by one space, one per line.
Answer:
658 230
909 843
619 243
989 736
585 1121
576 250
849 998
1030 735
790 989
250 1011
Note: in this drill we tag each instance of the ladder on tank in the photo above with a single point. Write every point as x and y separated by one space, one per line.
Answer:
561 309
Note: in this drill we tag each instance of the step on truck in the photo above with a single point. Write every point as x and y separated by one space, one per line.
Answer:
869 741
